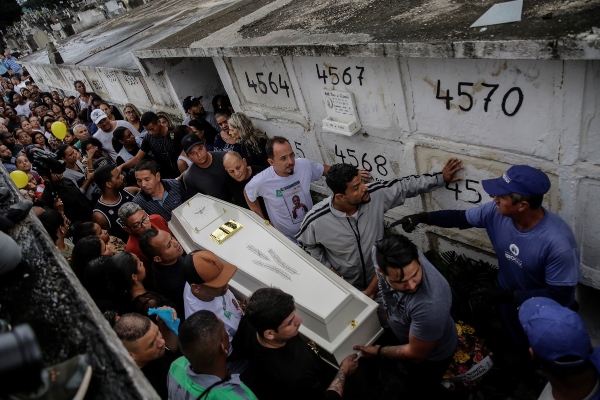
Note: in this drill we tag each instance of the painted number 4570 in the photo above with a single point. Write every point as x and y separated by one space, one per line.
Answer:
463 92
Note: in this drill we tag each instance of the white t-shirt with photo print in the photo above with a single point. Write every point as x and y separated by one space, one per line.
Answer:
279 192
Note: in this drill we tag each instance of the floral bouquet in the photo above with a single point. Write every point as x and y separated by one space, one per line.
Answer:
471 360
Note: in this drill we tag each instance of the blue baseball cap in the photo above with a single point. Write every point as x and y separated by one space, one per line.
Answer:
520 179
555 331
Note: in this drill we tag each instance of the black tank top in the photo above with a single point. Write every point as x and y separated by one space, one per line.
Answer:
111 213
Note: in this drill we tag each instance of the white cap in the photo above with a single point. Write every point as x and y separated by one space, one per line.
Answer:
98 115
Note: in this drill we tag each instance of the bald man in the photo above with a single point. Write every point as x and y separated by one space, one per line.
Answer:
240 173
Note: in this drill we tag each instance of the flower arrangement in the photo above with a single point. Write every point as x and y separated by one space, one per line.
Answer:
471 359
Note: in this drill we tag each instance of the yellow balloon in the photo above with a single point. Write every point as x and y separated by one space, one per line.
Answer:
19 178
59 130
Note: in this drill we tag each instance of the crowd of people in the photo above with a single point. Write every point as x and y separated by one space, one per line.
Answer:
105 193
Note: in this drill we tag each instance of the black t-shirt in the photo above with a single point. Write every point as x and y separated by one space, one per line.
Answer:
169 281
236 189
77 206
209 181
221 145
165 153
16 149
254 157
293 372
157 372
12 125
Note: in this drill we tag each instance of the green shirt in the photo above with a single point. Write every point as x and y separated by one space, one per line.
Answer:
185 384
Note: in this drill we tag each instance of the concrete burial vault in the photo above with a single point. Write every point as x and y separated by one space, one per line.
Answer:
421 85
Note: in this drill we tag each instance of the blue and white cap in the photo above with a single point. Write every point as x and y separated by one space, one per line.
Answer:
520 179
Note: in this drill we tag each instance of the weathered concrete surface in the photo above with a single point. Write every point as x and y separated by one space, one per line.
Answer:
549 29
44 292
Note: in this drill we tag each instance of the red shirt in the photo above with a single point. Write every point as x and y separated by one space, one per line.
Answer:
133 246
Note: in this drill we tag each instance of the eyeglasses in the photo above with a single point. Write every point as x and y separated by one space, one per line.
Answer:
128 112
138 225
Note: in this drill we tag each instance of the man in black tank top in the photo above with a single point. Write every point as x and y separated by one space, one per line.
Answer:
106 211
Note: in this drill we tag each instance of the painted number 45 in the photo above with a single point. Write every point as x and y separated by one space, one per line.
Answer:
472 192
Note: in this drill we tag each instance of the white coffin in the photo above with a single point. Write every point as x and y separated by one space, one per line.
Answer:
335 315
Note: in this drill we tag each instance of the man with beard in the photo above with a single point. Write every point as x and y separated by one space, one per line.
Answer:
114 194
417 300
157 196
7 159
341 230
195 110
278 184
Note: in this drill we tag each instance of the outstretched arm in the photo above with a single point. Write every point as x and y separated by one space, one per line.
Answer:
443 218
416 350
133 162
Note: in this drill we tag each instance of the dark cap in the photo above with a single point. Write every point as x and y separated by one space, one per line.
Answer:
555 332
520 179
205 268
189 141
189 101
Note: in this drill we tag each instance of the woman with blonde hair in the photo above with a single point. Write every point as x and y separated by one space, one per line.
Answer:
253 141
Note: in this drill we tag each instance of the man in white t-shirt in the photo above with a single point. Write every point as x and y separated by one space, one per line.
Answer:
284 185
105 131
207 288
22 105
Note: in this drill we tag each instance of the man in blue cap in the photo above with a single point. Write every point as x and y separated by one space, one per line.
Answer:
536 250
559 341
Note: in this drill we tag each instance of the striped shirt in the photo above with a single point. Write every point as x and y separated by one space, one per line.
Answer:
185 384
12 64
173 197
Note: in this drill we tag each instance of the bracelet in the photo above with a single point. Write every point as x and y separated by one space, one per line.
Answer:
379 351
91 169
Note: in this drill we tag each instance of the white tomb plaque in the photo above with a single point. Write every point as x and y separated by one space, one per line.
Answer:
336 316
341 113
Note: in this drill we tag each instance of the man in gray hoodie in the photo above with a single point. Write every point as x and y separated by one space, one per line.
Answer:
341 230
